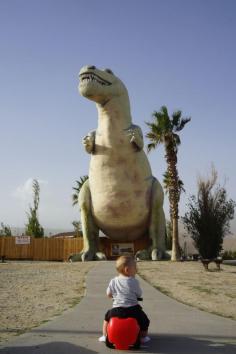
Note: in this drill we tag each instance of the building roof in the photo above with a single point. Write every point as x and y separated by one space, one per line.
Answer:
65 234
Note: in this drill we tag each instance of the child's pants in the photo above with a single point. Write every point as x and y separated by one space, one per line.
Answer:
132 311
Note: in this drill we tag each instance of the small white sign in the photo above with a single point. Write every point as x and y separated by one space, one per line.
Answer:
118 249
22 240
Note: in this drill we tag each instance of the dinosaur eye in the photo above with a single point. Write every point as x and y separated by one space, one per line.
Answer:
91 67
109 71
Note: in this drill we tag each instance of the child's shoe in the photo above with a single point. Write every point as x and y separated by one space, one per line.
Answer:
102 339
145 339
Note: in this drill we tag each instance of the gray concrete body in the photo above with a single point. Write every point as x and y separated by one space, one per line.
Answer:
175 328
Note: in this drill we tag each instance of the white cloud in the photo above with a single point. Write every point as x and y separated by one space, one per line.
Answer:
55 207
24 192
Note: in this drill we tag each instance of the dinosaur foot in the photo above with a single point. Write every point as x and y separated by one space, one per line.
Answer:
100 256
157 255
75 257
86 256
143 255
150 254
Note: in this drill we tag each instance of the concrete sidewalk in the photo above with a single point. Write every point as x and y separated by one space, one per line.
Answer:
175 328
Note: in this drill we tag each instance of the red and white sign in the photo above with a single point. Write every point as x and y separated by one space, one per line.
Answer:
22 240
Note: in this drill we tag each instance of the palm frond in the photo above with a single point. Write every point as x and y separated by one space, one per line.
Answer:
166 181
181 186
164 110
151 146
176 139
176 118
75 198
155 133
154 128
154 137
182 124
77 188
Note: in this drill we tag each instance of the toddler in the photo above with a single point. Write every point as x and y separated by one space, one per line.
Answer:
125 291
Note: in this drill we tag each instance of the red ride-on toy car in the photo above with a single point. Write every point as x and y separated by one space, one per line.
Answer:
123 333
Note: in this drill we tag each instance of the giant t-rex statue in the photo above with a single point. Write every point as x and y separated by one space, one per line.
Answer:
121 197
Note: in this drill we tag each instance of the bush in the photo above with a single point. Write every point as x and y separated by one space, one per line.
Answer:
208 218
229 255
5 230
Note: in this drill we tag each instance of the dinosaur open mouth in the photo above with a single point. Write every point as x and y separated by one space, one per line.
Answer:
91 77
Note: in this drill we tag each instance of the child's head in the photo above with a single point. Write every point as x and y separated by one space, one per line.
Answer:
126 265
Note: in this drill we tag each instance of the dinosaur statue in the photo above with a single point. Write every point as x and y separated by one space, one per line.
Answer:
121 197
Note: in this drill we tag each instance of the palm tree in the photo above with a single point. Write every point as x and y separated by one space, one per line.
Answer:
167 184
164 131
79 184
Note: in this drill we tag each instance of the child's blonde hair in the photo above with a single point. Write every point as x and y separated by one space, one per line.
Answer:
124 261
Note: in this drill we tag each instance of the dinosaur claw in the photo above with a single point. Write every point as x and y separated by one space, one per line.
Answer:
100 256
156 255
87 256
142 255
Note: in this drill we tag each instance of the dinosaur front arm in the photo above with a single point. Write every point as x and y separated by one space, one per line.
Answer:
89 142
136 137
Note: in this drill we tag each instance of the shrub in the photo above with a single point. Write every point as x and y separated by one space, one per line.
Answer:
5 230
229 255
208 218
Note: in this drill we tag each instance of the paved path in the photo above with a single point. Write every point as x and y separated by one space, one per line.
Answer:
175 328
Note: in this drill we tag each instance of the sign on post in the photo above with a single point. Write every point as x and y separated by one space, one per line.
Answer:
22 240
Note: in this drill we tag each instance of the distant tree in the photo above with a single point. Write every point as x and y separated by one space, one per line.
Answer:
209 215
77 188
163 130
77 228
5 230
33 228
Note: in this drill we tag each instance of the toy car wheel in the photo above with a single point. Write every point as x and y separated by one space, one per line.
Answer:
137 343
109 344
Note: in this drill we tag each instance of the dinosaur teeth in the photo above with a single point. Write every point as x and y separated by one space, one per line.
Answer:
87 77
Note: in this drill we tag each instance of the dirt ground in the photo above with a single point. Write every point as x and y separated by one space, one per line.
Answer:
212 291
33 292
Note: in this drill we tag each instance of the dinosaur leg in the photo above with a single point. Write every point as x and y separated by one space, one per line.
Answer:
156 226
89 228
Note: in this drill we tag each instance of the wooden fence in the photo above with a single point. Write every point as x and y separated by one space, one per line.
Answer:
58 249
40 249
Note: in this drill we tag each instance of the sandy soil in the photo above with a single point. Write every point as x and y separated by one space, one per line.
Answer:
212 291
33 292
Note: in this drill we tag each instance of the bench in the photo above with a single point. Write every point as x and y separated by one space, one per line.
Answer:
217 261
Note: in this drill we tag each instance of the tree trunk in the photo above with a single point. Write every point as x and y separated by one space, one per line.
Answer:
171 158
175 254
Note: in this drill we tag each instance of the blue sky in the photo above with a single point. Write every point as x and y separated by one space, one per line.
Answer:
179 53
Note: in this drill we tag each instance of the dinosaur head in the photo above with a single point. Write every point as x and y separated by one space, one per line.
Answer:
100 85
